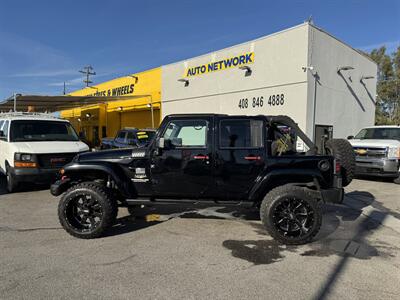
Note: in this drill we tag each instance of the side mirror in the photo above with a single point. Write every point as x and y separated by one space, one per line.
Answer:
350 137
161 143
176 142
2 135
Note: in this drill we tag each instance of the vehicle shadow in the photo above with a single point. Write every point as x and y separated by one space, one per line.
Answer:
153 215
375 178
26 187
333 215
3 185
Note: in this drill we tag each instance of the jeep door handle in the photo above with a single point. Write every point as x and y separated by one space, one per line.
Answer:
201 157
252 157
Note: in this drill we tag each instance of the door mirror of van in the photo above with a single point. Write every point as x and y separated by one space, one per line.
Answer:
350 137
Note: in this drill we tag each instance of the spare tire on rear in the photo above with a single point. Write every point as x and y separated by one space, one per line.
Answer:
343 151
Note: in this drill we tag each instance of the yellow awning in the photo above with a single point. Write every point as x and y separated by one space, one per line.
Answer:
57 103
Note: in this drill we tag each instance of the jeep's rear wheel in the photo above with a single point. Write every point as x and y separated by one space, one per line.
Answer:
86 210
343 151
291 215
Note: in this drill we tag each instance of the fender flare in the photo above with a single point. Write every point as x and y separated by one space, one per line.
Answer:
266 181
124 184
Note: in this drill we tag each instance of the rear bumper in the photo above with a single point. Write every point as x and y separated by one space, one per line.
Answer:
382 167
34 175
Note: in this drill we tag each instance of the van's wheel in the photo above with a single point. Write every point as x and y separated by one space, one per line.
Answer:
343 151
86 210
12 184
291 215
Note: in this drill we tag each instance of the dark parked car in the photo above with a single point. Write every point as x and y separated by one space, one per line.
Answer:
128 138
210 158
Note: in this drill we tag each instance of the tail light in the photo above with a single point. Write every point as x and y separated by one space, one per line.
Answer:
338 167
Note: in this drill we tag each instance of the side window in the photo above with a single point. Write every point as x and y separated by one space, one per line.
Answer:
283 140
5 128
187 133
241 134
130 138
121 137
1 127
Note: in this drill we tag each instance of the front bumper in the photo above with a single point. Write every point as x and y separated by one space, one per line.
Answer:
34 175
59 187
383 167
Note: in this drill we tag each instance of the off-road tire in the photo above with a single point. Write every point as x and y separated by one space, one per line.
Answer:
275 198
109 209
343 151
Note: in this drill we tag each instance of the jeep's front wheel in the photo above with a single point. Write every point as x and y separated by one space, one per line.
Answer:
86 210
291 215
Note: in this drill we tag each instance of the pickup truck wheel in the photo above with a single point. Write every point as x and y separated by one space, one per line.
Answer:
343 151
86 210
291 215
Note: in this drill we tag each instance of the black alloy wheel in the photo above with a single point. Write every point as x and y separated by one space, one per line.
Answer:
87 210
293 217
84 213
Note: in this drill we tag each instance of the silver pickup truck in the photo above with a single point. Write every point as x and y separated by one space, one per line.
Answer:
377 150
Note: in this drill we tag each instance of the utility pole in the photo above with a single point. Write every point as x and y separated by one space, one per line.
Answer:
88 70
64 89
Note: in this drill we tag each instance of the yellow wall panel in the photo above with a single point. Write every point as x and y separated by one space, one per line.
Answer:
144 89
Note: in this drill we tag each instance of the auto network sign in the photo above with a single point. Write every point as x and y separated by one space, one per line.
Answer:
227 63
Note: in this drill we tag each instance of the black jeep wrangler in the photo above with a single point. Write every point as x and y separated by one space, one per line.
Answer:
215 158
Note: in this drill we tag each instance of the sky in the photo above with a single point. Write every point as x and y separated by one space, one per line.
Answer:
45 43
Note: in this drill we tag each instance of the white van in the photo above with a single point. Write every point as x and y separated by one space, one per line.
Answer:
33 147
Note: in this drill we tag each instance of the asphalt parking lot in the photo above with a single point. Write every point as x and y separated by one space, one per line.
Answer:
196 252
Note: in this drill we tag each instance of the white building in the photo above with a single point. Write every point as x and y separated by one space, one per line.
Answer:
303 72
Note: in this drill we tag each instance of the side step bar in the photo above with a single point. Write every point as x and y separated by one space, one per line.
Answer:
144 201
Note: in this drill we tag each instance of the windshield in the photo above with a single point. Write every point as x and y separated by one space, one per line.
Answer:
379 134
35 130
144 137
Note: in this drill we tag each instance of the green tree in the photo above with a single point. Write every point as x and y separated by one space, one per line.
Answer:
388 89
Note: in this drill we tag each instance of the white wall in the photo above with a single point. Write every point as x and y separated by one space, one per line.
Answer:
277 69
348 107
